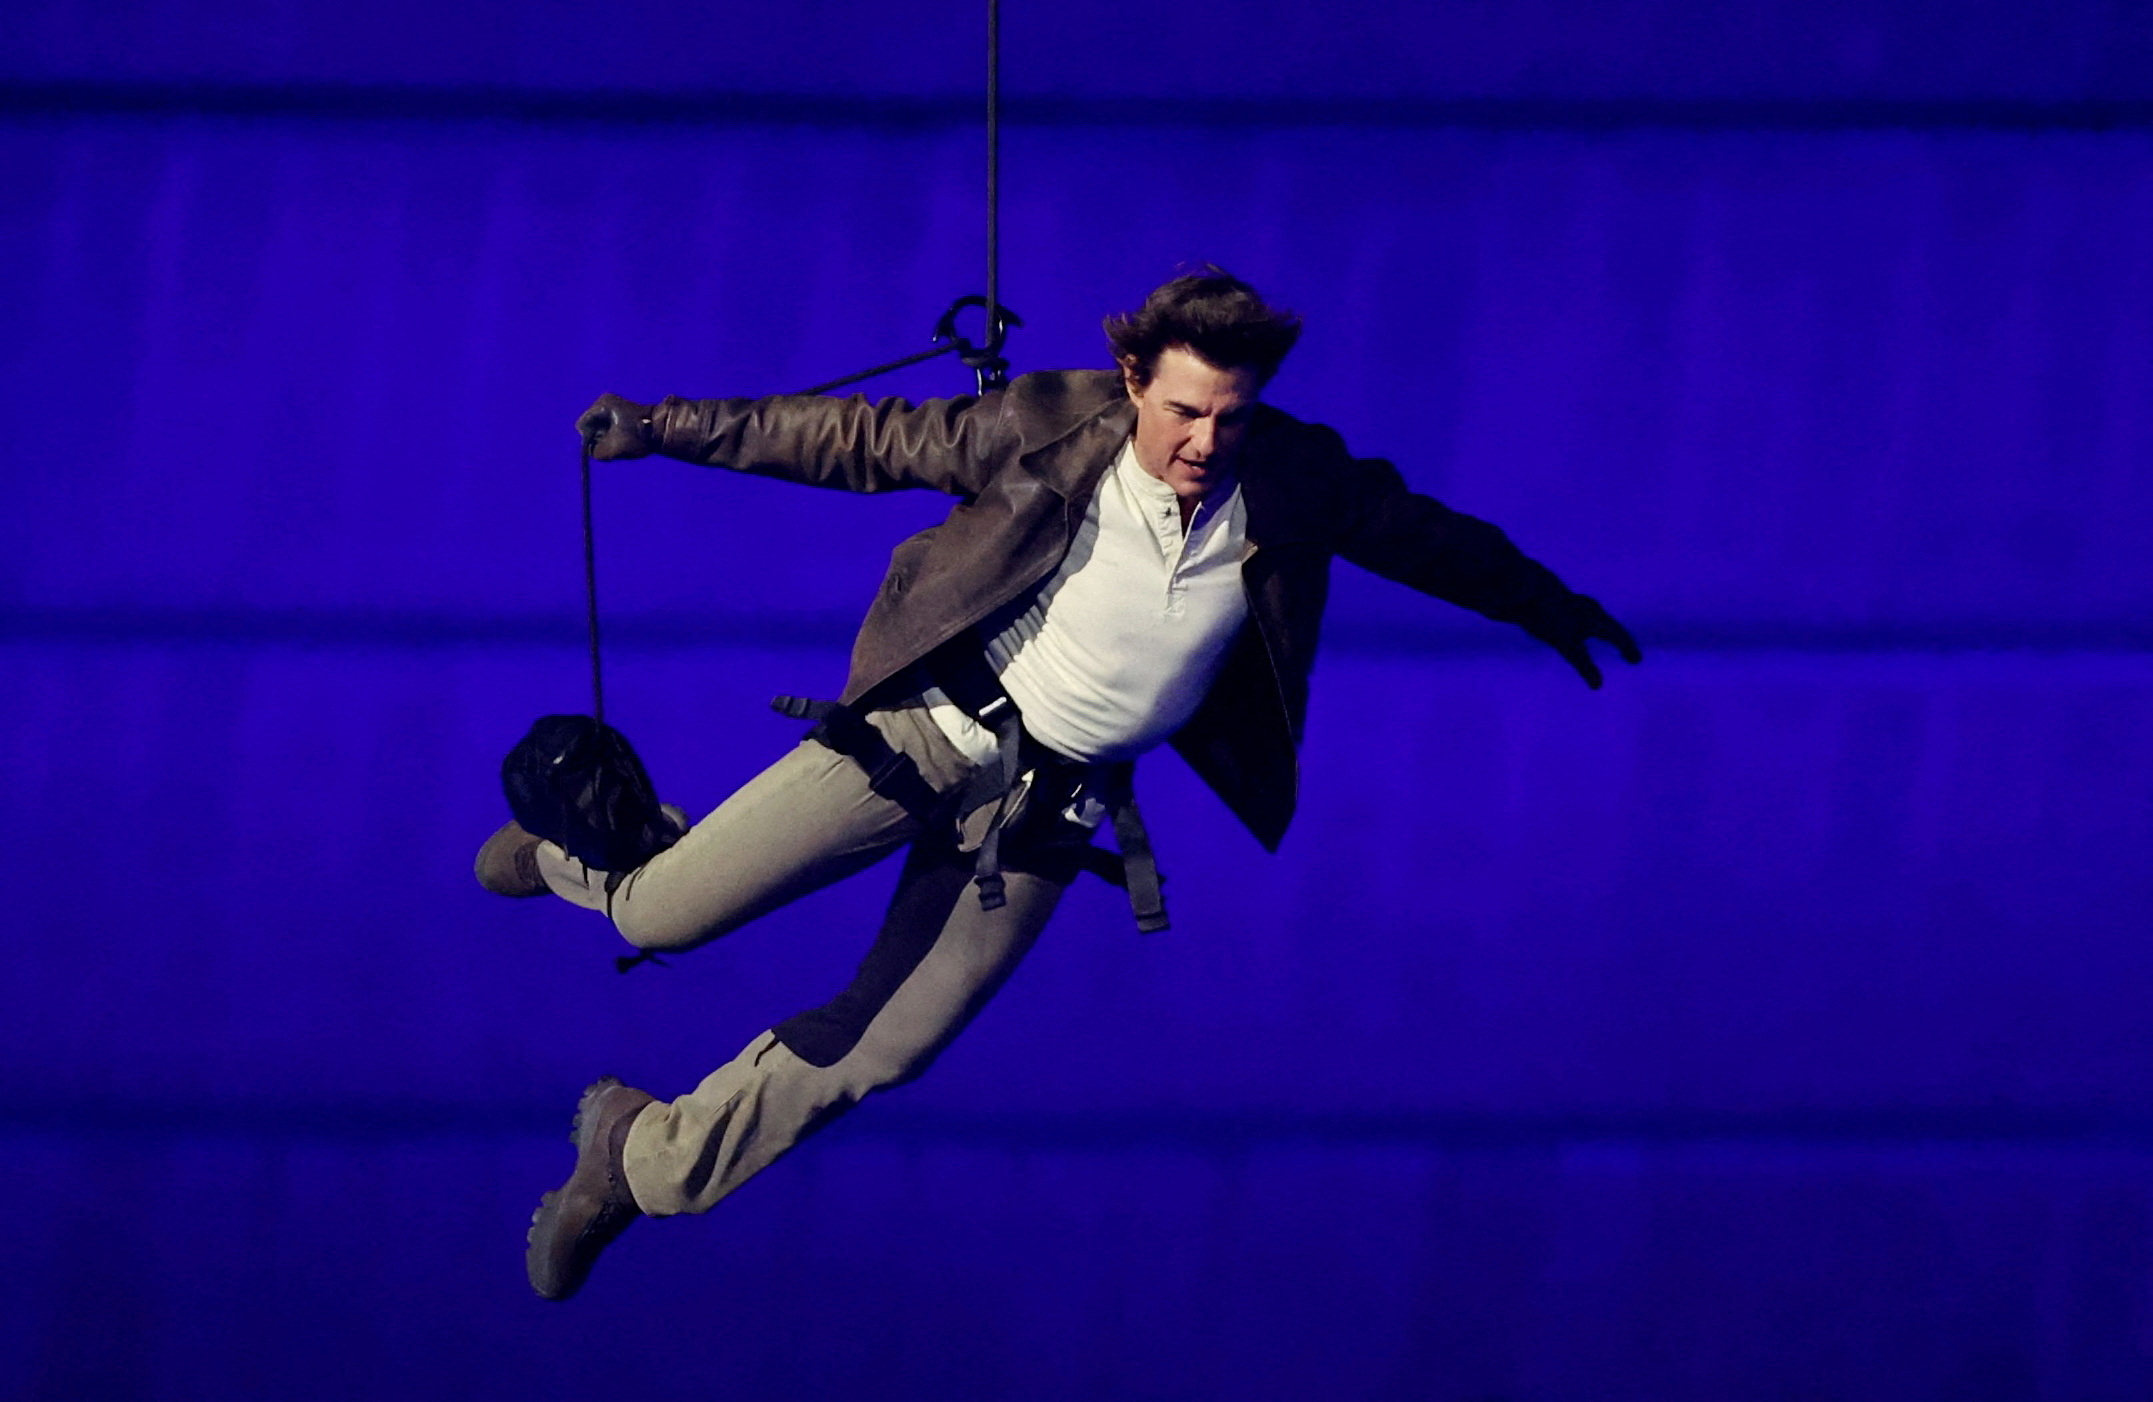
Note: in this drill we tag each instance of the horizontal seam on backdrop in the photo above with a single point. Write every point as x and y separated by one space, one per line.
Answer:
341 1122
604 108
667 632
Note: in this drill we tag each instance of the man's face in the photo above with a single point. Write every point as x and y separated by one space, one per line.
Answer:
1190 420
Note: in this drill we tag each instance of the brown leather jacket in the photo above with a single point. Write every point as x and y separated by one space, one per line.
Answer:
1024 462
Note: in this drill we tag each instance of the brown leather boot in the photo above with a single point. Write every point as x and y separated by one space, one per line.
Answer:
582 1217
507 864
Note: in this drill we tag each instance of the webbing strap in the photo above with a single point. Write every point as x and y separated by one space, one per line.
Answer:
1139 866
1008 746
962 671
892 774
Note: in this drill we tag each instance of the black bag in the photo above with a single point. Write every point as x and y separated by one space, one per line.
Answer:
577 782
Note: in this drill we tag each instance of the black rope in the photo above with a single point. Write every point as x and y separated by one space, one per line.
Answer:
984 358
590 585
994 174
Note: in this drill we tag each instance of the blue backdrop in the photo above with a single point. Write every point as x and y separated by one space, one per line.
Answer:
1771 1024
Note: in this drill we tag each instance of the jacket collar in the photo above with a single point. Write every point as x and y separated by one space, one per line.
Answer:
1077 444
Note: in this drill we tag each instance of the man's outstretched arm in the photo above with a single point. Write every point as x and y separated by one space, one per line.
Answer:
1418 541
856 444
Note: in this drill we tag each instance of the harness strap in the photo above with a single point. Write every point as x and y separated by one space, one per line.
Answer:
1000 716
961 670
964 676
1139 866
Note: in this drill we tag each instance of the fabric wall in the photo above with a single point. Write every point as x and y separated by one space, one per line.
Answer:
1253 55
1769 1024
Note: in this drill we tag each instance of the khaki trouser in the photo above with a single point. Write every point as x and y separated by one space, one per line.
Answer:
809 820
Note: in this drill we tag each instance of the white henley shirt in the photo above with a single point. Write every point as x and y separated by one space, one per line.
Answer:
1115 651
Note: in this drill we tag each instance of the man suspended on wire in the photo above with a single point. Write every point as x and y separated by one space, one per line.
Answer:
1138 556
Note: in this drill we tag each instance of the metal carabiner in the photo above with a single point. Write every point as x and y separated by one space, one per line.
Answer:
985 358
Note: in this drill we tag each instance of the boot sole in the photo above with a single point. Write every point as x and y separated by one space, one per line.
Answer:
582 1132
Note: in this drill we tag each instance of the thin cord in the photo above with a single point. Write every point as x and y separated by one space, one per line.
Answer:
590 588
827 385
994 165
992 337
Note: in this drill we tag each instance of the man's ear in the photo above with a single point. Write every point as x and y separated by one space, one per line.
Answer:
1129 378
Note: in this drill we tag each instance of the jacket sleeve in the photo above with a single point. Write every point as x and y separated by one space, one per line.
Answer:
854 445
1416 540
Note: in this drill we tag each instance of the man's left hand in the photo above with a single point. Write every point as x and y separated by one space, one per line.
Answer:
1565 625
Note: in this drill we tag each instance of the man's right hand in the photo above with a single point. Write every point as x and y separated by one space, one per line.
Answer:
618 428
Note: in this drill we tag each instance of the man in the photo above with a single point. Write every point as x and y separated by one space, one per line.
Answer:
1136 556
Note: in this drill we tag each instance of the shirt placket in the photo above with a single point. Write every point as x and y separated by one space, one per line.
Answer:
1180 549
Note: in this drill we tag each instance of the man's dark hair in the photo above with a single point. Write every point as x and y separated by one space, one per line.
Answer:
1215 314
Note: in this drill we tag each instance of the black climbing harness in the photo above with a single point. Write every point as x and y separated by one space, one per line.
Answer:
1017 783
